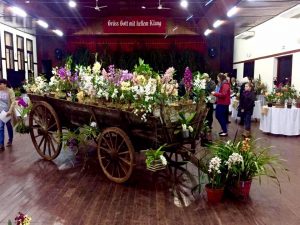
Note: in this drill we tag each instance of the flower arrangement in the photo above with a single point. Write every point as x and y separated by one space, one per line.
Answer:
185 127
38 85
188 81
80 136
245 160
21 219
259 87
155 159
22 110
215 176
270 97
199 84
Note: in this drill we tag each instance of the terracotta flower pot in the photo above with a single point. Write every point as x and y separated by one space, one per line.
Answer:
244 188
214 195
241 189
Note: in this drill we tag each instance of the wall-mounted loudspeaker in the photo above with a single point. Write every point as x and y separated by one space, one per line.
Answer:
212 52
58 54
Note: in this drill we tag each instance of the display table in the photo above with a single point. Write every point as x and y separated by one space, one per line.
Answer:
280 121
256 111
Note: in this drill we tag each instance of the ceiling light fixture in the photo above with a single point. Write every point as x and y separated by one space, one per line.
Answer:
72 4
58 32
175 28
232 11
207 32
143 7
217 23
208 2
18 11
188 18
184 4
42 23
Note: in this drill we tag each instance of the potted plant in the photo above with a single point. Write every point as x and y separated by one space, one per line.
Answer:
244 161
155 160
269 99
216 177
22 111
185 126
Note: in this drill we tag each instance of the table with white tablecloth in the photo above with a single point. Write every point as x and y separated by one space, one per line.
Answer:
282 121
256 111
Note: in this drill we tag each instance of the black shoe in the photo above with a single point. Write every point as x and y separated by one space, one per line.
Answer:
2 148
9 144
228 121
223 134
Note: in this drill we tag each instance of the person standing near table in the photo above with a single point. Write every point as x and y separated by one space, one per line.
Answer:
223 102
7 103
247 104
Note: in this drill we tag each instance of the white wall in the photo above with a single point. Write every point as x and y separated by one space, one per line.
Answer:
276 36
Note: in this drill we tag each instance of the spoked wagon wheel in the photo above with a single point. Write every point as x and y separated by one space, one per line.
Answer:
116 154
45 130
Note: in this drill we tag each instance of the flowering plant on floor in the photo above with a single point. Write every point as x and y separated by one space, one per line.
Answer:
21 219
153 156
215 173
22 111
246 159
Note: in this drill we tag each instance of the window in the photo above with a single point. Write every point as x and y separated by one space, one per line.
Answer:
284 69
29 48
20 51
249 69
9 51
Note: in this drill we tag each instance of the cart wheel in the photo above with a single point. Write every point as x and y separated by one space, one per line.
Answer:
45 130
115 154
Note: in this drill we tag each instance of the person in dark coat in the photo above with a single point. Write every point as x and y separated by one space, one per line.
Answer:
242 88
209 87
223 101
247 103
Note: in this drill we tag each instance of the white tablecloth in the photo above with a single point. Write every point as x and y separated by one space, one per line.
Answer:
281 121
256 111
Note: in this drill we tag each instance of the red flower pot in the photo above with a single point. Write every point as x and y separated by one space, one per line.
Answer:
214 195
244 188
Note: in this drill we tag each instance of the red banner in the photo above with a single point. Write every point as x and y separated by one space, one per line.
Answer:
134 25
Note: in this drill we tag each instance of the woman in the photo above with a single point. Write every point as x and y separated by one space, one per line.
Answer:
7 103
223 101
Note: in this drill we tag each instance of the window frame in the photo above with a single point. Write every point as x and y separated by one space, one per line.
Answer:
20 54
9 58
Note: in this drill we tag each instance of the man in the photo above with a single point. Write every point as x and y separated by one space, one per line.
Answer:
209 87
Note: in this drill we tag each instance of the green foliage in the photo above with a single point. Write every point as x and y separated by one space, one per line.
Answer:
80 136
152 155
9 222
185 120
143 69
257 160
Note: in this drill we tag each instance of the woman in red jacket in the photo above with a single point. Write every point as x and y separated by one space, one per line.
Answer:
223 101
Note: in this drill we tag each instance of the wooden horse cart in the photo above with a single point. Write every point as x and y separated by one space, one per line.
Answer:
122 133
